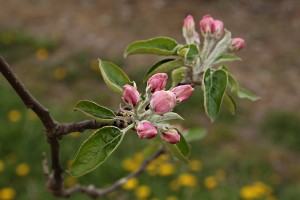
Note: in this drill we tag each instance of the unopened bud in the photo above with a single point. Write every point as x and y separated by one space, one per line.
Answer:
188 27
157 82
219 28
131 95
171 135
207 25
163 101
183 92
146 130
237 44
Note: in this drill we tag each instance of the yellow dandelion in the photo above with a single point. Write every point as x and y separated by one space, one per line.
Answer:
210 182
220 175
187 180
94 65
22 169
195 165
166 169
172 198
42 54
256 190
130 184
74 134
2 166
60 73
70 181
14 116
142 192
7 193
130 165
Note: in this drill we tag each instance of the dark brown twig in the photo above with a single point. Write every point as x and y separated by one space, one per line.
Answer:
54 131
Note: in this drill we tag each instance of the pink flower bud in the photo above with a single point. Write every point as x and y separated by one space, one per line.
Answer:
183 92
163 101
131 95
188 26
207 25
237 44
157 82
171 136
146 130
219 27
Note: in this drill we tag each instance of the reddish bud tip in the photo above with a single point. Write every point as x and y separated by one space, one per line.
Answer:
146 130
237 44
131 95
157 82
171 136
163 101
183 92
207 25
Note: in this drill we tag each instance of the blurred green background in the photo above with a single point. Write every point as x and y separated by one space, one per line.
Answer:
53 47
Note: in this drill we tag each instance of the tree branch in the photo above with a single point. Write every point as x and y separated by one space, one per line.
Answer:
54 131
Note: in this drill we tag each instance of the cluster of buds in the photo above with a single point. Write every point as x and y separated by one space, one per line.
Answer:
210 28
156 101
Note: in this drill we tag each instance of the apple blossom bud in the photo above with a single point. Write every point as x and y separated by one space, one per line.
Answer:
183 92
188 27
146 130
171 136
163 101
157 82
131 95
237 44
207 25
219 28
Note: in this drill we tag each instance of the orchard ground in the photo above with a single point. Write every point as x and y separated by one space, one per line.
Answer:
53 48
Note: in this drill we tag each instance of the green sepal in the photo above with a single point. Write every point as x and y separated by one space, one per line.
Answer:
113 76
96 149
165 117
163 46
94 110
163 66
214 85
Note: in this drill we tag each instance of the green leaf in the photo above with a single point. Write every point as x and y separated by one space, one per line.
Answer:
240 91
218 51
165 117
163 66
163 46
183 145
94 110
244 93
190 52
226 58
178 75
113 76
214 87
230 104
180 150
195 134
96 149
